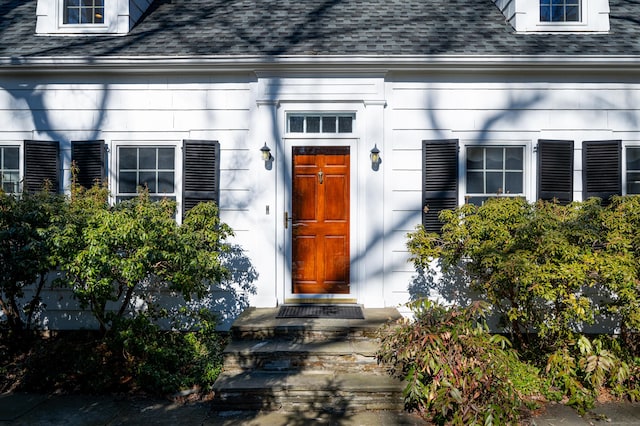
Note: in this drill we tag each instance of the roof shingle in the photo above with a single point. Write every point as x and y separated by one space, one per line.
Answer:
323 27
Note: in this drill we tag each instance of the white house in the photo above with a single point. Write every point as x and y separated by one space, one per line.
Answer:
275 109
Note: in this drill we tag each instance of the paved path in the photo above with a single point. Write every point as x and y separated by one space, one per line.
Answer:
81 410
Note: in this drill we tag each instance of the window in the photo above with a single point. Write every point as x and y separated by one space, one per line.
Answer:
150 167
494 171
320 123
83 12
560 10
10 169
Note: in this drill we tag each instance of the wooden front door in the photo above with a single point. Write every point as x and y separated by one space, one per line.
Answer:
320 220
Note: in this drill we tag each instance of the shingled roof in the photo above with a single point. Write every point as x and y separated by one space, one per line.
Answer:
381 28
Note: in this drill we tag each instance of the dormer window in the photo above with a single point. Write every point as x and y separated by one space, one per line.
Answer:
88 17
560 10
556 16
83 12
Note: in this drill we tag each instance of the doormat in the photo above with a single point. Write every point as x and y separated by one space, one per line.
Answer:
321 311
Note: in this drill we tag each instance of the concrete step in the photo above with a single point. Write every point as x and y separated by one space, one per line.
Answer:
300 392
262 324
282 355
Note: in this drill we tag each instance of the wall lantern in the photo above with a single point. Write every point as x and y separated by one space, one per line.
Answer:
375 156
266 153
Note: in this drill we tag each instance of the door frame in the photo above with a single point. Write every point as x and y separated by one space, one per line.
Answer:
284 201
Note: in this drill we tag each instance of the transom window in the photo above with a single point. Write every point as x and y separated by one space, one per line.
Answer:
493 171
150 167
560 10
320 123
83 12
633 170
10 169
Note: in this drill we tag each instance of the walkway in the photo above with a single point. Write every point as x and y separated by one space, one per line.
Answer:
84 410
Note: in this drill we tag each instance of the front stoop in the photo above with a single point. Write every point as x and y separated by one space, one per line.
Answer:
306 364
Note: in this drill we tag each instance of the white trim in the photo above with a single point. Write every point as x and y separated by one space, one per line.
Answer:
316 64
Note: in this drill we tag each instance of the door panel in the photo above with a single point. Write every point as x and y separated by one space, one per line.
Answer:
320 235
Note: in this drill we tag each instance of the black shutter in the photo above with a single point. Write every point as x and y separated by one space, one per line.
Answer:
89 157
41 165
439 180
555 171
601 169
201 170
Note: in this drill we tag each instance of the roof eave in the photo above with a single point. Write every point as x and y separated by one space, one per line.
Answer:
318 63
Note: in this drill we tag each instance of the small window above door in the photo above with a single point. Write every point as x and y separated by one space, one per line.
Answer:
320 123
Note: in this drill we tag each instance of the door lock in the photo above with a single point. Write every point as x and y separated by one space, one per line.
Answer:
287 219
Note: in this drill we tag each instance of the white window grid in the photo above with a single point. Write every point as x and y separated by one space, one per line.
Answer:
320 123
83 12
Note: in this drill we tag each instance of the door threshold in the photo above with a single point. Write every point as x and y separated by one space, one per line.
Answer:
320 301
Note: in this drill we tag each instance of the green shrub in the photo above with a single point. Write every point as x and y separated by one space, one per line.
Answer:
112 256
455 370
26 252
163 362
550 271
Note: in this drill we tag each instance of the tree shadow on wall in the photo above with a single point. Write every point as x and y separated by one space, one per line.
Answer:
450 287
229 298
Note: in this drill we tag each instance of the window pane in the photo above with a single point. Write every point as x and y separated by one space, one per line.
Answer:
475 182
99 16
513 183
313 124
557 13
147 158
514 159
11 158
128 158
72 16
475 158
494 183
296 124
633 158
127 181
165 182
87 2
478 201
633 183
86 16
545 14
165 158
494 158
329 124
148 180
345 124
573 14
72 3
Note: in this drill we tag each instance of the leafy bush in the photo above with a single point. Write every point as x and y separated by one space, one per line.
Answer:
163 362
549 272
455 370
26 252
113 256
